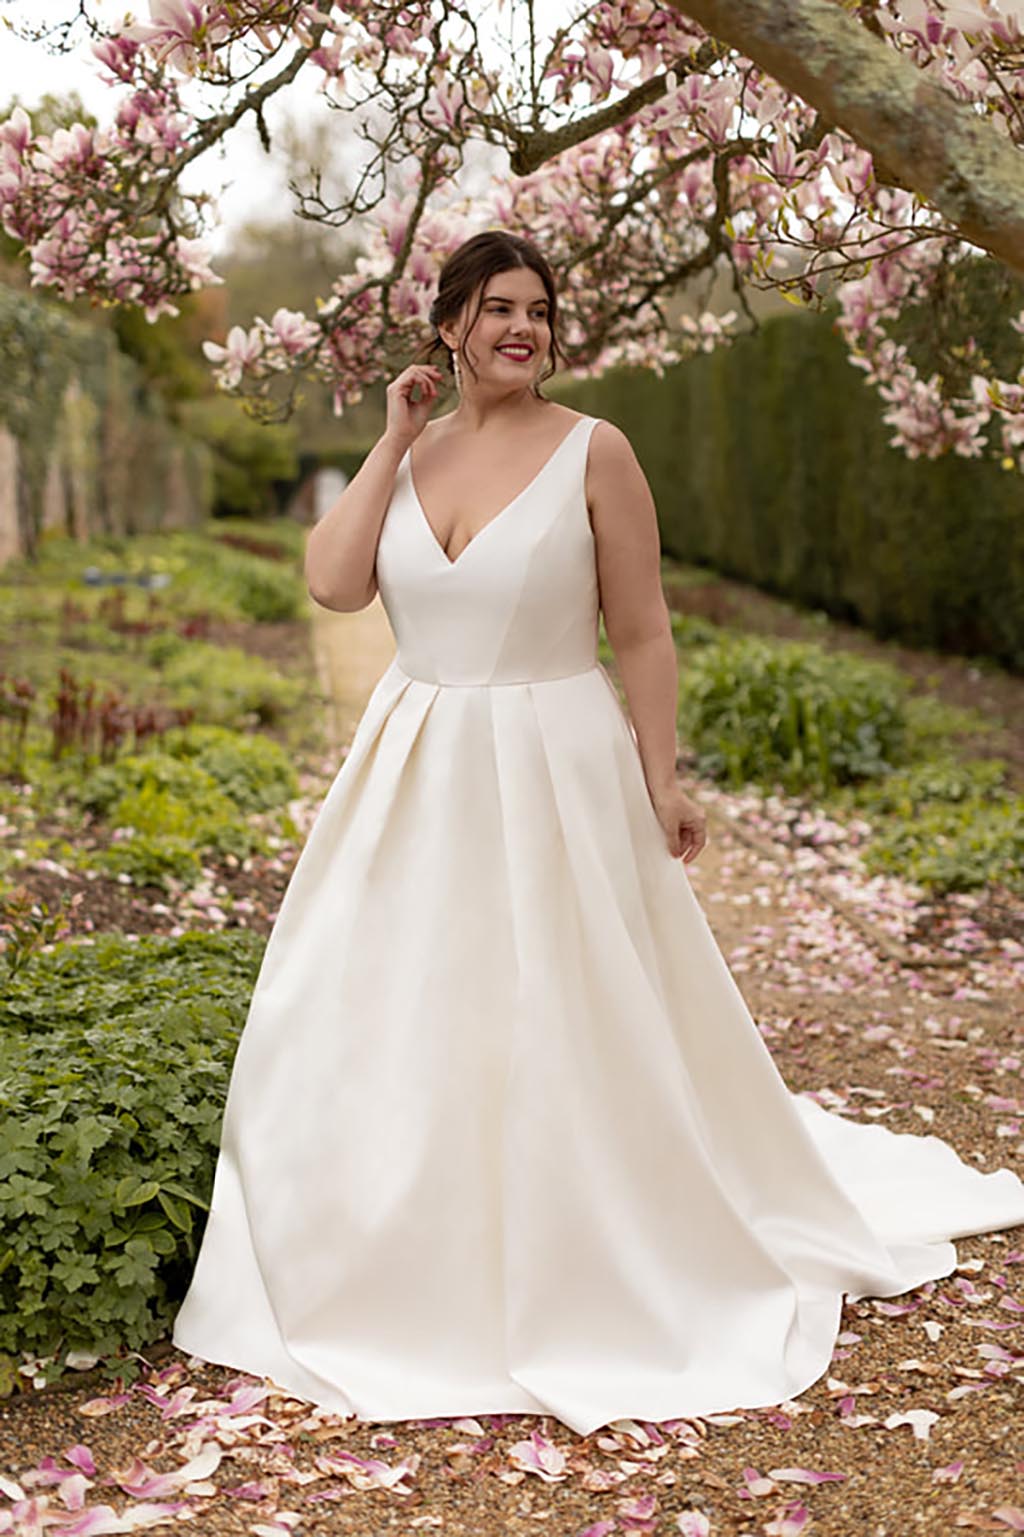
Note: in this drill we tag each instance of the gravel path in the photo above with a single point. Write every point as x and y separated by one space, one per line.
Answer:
886 1007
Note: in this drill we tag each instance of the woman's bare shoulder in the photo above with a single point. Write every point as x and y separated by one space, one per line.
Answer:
611 452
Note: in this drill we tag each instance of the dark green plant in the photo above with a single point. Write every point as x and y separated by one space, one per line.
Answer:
227 686
252 770
248 457
155 770
114 1064
937 779
693 629
790 714
26 925
177 813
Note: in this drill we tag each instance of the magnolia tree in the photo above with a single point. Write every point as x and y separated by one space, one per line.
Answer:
829 149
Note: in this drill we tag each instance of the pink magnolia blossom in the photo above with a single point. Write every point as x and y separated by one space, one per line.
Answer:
181 32
618 213
242 348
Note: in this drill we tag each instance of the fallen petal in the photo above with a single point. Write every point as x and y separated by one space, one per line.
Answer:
805 1476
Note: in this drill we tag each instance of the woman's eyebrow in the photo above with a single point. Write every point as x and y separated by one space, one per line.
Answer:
500 299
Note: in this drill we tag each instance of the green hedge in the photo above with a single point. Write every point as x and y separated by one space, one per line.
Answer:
114 1065
770 462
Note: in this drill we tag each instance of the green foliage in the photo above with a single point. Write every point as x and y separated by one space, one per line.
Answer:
225 685
790 714
254 771
955 845
176 809
147 859
770 462
247 457
213 826
114 1064
947 824
263 592
153 770
693 630
204 574
939 778
169 365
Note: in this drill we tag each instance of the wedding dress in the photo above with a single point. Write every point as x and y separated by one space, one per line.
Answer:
501 1134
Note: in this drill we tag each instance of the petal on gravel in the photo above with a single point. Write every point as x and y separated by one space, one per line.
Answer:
921 1420
94 1406
789 1522
370 1472
103 1519
693 1523
73 1490
805 1476
755 1485
539 1455
949 1474
638 1514
141 1480
80 1457
1012 1516
283 1522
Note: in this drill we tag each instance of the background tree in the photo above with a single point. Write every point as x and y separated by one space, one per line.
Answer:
832 150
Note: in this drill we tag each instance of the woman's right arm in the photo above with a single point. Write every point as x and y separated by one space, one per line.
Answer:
341 549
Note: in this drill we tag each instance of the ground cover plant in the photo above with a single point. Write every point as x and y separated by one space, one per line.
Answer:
114 1058
845 735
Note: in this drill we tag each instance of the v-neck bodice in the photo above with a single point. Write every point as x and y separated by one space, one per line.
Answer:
519 603
454 560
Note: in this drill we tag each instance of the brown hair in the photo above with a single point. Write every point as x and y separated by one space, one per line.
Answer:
466 272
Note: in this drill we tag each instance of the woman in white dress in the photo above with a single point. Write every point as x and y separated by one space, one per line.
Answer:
501 1134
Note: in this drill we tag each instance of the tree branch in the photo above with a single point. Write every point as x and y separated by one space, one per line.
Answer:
936 146
533 150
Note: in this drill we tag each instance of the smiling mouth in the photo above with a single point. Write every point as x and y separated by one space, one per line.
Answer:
517 354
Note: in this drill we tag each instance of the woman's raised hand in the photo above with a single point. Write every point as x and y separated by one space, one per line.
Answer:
410 400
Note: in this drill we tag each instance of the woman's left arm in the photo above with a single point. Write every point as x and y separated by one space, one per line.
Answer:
636 621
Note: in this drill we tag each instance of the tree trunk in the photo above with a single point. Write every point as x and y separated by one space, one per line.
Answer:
915 128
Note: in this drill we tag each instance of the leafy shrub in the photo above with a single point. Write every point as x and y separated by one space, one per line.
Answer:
215 826
248 457
254 771
196 762
160 648
106 785
940 778
790 713
226 686
148 860
694 629
114 1065
177 813
262 592
957 845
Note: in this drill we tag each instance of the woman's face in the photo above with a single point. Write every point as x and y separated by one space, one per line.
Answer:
511 339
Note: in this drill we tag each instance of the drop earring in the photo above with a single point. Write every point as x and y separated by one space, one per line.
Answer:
457 367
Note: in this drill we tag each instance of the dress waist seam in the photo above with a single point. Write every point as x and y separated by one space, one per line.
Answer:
577 672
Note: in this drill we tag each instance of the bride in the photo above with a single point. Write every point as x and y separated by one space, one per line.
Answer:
501 1134
496 324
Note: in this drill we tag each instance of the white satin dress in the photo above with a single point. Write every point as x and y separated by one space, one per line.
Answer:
501 1134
